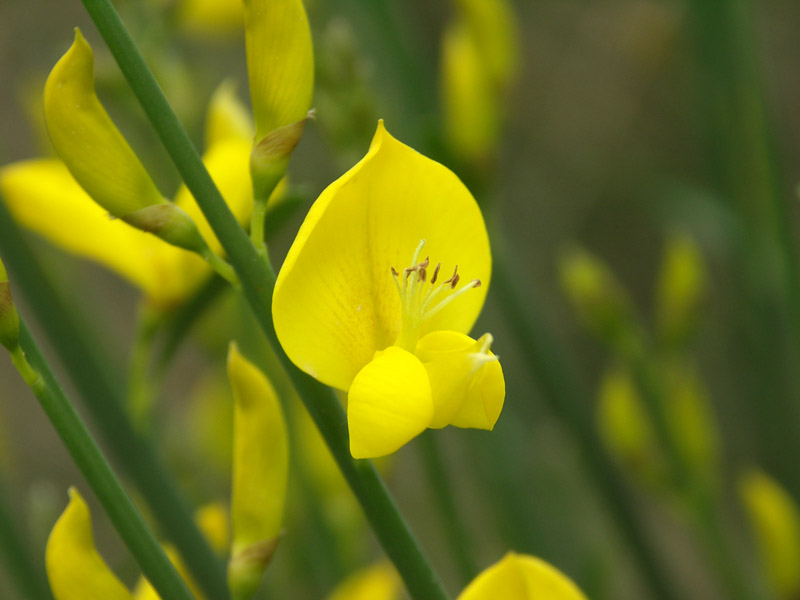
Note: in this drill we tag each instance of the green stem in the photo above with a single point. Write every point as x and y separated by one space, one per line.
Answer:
27 574
441 487
706 515
141 391
257 222
101 390
87 455
258 281
561 390
222 268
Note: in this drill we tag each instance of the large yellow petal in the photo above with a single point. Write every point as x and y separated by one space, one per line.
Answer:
87 140
521 577
75 569
228 163
389 404
378 582
280 62
43 196
466 380
335 302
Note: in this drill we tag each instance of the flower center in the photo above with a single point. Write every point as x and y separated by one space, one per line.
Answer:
421 297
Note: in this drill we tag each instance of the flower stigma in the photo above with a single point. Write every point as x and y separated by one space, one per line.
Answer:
419 301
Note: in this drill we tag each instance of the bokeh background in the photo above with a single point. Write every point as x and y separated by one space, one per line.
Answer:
628 120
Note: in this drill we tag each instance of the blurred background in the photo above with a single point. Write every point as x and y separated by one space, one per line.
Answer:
625 126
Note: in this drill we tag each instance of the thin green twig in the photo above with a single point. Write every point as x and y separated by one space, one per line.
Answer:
258 281
26 573
439 481
102 392
127 520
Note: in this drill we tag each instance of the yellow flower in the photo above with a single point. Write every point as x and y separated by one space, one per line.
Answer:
43 196
260 470
75 569
365 300
775 518
521 577
210 18
378 582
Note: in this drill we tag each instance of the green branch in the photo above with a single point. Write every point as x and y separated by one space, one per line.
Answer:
87 455
257 282
103 395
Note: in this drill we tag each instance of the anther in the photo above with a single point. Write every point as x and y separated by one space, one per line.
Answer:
394 273
455 274
476 283
436 273
422 273
454 281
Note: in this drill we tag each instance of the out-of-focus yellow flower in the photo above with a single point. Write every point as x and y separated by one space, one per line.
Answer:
75 569
479 60
260 470
378 582
521 577
9 319
227 117
775 519
601 302
681 289
395 340
280 66
210 18
145 591
212 520
43 196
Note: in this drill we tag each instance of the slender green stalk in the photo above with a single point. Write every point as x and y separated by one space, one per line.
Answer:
258 281
440 484
28 575
141 391
564 397
257 222
128 522
102 392
707 517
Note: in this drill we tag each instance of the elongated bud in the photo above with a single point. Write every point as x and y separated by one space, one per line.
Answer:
9 319
626 429
775 520
75 569
601 302
99 157
260 469
682 284
521 577
280 66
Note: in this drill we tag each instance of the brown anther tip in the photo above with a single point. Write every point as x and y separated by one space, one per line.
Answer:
435 273
395 273
476 283
424 264
409 270
455 274
423 273
454 283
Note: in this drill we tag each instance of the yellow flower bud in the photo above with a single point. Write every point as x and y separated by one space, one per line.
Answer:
75 569
9 319
601 302
775 519
87 140
280 66
260 470
100 159
626 429
378 582
521 577
681 288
